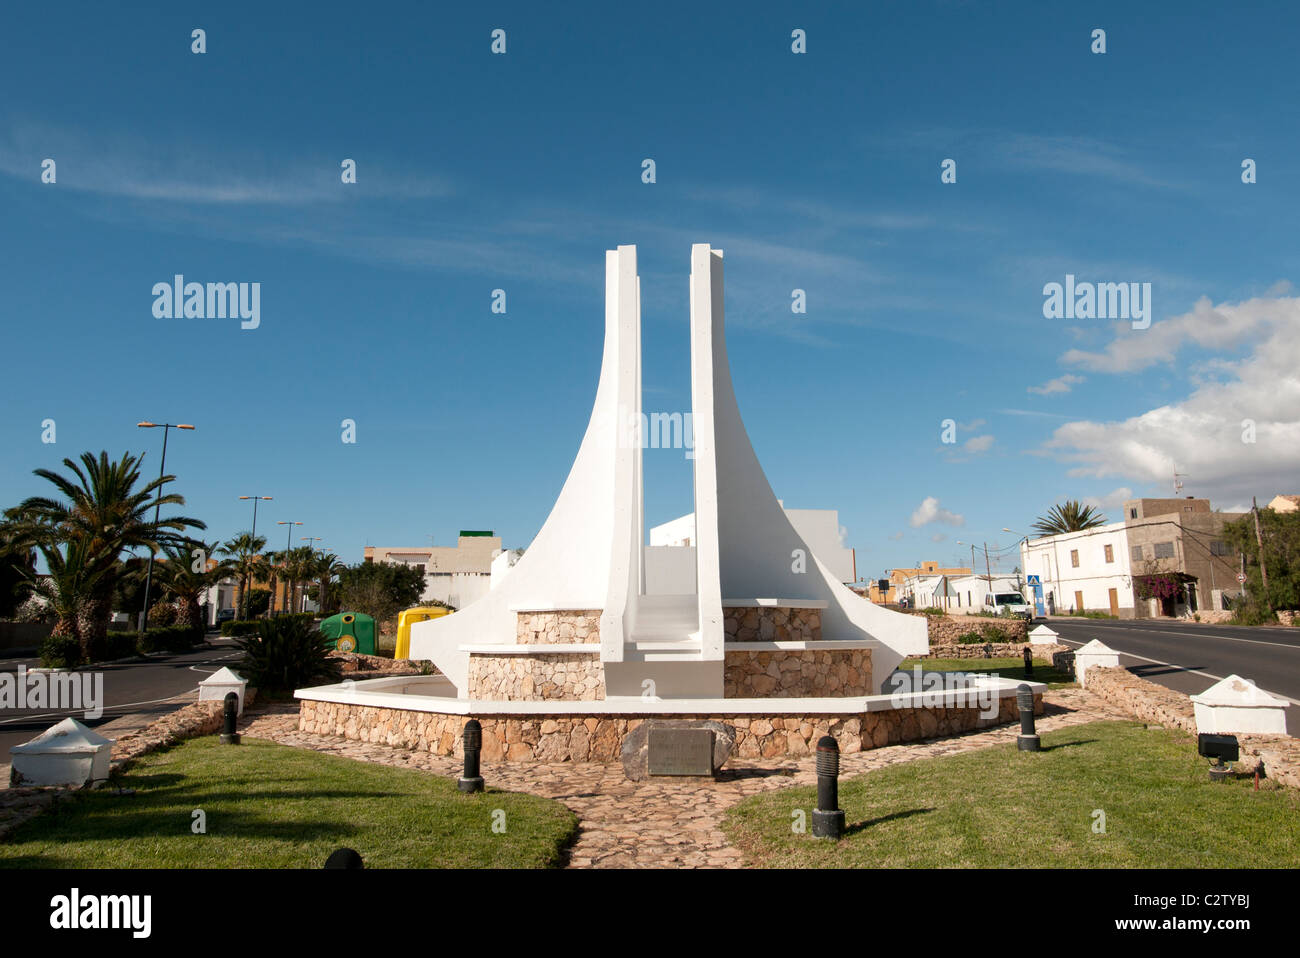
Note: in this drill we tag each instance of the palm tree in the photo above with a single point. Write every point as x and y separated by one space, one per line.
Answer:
245 551
178 578
325 569
105 512
1071 516
72 582
297 566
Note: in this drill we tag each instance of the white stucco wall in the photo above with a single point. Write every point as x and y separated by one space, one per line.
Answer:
1050 559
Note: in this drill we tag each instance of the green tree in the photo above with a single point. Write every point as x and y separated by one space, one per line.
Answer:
245 552
17 568
189 570
380 589
73 581
325 568
1069 516
1281 534
105 510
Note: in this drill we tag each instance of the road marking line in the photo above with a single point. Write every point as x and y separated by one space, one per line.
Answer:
1181 668
1197 635
107 709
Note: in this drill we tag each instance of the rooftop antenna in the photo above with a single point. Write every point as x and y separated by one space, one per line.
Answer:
1178 481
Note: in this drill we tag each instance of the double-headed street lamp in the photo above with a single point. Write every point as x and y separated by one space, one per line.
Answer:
256 500
162 466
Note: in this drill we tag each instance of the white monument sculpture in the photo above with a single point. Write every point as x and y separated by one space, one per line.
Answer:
758 586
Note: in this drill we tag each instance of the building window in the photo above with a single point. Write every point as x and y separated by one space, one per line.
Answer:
1164 550
1219 548
1132 513
1074 558
1110 554
1136 553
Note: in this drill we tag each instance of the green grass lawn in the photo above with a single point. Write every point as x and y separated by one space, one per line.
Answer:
997 807
271 806
1008 668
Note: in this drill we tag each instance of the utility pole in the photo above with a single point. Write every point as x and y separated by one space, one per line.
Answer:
987 571
1259 539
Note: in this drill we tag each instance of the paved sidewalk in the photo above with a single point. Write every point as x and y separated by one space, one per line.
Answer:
665 823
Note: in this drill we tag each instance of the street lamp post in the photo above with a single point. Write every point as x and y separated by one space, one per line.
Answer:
256 499
249 587
288 544
162 466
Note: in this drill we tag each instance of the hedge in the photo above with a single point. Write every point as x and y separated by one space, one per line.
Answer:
65 652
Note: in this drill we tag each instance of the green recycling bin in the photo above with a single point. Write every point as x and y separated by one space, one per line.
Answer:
351 632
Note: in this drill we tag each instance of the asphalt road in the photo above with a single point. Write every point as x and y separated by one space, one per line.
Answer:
152 687
1191 658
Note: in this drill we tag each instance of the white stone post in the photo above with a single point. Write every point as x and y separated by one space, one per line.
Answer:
1093 655
1238 706
64 754
215 687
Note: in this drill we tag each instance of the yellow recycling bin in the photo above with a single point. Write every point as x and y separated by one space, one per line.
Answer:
404 622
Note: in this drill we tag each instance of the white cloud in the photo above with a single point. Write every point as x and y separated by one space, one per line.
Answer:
978 443
192 172
1061 384
1111 500
938 537
1202 434
896 536
928 511
1224 328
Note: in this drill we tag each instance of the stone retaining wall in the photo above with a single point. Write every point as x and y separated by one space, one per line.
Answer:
768 623
560 627
791 673
945 629
1145 700
599 738
566 676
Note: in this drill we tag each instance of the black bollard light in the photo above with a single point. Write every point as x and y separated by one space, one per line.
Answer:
827 818
1029 663
471 780
345 858
231 712
1027 740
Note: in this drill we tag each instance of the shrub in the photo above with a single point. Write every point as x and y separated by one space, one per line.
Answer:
933 610
970 638
162 614
60 652
257 602
1252 613
115 645
232 628
994 633
287 654
172 638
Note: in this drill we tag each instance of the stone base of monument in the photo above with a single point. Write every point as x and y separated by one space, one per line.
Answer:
680 748
424 713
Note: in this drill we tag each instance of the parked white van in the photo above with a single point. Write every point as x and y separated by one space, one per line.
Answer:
1008 603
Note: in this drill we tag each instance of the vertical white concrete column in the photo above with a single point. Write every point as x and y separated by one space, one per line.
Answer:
706 310
627 535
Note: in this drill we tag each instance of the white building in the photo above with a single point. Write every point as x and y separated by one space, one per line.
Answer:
958 594
455 575
1082 571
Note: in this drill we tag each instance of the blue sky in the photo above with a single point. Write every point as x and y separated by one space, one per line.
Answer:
818 171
